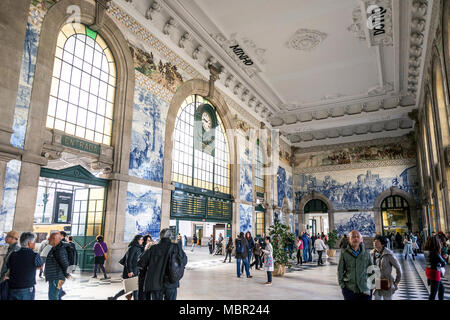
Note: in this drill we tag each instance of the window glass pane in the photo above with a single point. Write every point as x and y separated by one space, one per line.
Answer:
85 60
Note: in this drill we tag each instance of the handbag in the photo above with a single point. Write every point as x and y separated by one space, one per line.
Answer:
130 284
101 247
442 270
382 284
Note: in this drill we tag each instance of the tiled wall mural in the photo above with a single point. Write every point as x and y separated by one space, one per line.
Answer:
246 188
163 73
32 34
357 188
357 154
284 186
364 222
143 212
8 206
245 218
147 137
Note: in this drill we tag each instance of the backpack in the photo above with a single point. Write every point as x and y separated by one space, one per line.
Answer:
177 262
239 247
71 253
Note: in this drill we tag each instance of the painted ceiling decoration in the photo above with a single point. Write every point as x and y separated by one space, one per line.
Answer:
359 82
306 39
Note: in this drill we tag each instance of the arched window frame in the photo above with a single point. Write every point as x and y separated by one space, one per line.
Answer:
82 94
193 167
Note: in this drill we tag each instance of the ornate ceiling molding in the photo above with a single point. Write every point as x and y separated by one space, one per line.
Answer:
305 39
419 11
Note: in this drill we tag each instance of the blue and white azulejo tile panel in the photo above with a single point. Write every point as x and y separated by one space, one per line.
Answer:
8 206
357 188
147 137
246 187
364 222
284 186
245 218
143 212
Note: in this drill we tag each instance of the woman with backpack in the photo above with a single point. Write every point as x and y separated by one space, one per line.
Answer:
229 250
257 255
100 250
129 262
268 260
242 254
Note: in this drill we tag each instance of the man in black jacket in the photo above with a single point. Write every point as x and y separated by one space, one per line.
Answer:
56 266
241 242
155 263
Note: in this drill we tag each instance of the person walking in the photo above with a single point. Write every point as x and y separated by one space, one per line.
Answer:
435 265
385 260
210 244
299 250
22 265
305 241
228 250
414 244
313 240
11 239
242 249
310 248
352 269
251 245
262 244
185 242
257 254
130 266
100 250
398 240
268 260
407 249
194 242
142 274
158 283
43 251
319 246
56 266
344 242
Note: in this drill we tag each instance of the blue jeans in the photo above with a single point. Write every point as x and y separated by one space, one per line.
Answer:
53 292
310 254
269 276
245 262
249 259
22 294
305 254
167 293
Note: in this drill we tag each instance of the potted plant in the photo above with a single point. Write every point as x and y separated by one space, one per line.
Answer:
281 237
332 238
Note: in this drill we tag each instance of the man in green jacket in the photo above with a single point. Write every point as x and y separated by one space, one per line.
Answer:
353 269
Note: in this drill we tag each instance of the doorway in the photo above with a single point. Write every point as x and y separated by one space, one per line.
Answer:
316 217
395 215
71 200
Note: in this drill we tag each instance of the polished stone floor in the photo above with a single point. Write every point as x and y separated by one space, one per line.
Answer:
207 277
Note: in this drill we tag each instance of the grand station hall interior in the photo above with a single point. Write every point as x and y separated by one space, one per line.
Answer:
321 124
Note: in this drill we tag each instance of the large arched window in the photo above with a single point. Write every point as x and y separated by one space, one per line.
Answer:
197 162
83 85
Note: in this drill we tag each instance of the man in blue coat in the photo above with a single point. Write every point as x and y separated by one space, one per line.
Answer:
306 242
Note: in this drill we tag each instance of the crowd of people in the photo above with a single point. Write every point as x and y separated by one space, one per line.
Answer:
157 267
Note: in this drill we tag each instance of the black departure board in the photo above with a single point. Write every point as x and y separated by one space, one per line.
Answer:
187 205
